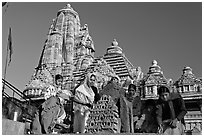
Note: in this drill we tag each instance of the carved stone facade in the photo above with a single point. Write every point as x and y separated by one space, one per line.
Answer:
148 85
73 61
68 51
190 88
188 83
104 117
118 61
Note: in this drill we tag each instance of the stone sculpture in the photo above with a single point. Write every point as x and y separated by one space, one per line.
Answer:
103 117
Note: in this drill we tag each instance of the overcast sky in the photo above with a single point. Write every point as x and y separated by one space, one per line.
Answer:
170 33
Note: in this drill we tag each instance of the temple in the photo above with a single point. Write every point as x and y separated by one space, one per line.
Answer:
190 88
151 81
69 51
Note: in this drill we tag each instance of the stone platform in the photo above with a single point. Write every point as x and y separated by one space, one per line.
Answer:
10 127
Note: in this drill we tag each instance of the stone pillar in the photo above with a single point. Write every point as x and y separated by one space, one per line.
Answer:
180 89
146 90
155 90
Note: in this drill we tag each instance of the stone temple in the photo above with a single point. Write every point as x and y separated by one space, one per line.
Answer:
69 50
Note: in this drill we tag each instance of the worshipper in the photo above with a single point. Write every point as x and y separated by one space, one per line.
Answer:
137 106
83 100
94 88
133 97
113 89
149 124
170 112
117 93
52 110
128 125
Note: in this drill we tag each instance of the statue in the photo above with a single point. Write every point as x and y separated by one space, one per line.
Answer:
139 73
86 62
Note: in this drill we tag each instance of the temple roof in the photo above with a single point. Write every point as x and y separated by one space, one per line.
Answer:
68 8
187 78
117 60
114 48
154 76
154 68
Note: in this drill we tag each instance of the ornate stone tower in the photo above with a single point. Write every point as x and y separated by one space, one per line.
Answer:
190 88
152 80
117 60
68 48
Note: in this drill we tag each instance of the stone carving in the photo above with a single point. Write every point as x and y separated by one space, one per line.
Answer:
103 117
188 82
136 74
188 77
39 81
152 80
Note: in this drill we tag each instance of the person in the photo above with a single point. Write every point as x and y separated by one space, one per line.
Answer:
125 112
113 89
137 104
170 112
94 88
134 97
83 100
52 110
149 124
127 101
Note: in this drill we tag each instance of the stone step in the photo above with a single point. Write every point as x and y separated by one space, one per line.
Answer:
10 127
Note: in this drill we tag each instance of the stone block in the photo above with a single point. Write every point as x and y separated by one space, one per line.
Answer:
10 127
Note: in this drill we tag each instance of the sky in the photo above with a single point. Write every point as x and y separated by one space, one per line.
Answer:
170 33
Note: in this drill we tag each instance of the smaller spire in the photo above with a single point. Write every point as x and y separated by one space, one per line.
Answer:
114 43
155 68
154 63
68 6
187 70
114 48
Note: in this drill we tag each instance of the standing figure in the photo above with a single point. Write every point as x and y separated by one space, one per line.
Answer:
127 113
149 124
170 112
113 89
124 105
94 88
52 110
83 98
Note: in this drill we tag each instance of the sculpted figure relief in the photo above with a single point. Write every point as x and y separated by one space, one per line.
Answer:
86 62
103 117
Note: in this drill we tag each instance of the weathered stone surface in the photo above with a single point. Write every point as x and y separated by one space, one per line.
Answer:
10 127
103 117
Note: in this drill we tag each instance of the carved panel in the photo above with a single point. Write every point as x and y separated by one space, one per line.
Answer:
103 117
